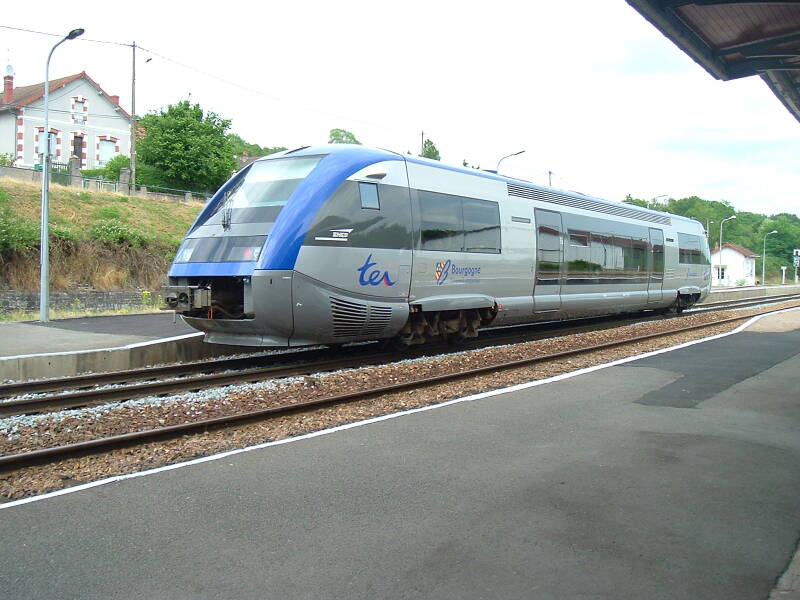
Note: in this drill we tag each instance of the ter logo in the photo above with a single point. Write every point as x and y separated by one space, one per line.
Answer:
373 277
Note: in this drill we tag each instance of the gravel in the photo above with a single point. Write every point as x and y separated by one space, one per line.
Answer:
20 434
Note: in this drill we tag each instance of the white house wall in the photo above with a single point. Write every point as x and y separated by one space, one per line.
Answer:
75 110
739 269
8 135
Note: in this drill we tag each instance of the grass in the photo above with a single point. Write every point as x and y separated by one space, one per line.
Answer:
103 240
156 220
25 315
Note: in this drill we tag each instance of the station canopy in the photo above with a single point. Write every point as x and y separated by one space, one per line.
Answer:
733 39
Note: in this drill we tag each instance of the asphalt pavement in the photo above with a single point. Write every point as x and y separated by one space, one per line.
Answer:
675 476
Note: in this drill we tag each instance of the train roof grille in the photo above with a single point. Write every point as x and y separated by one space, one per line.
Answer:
629 212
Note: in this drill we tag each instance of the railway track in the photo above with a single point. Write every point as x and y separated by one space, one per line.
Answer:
58 453
91 390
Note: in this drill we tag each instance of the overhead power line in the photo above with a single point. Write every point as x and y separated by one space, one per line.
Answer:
294 104
82 39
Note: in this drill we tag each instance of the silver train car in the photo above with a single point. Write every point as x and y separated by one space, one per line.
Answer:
335 244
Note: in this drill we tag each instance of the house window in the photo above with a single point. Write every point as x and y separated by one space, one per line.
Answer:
53 139
720 273
77 113
107 151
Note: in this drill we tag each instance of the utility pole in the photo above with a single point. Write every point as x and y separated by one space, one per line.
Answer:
549 178
422 144
133 121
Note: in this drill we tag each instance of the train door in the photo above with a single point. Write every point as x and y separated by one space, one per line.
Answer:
549 260
655 264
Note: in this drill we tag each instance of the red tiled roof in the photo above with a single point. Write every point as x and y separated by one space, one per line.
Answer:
22 96
740 249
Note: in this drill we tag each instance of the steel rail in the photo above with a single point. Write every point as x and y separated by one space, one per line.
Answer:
92 397
56 453
78 382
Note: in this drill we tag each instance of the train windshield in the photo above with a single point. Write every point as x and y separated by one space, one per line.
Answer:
264 190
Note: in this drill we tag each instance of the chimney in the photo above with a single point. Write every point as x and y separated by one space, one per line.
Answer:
8 88
115 100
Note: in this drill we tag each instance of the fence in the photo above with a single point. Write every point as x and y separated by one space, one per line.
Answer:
60 174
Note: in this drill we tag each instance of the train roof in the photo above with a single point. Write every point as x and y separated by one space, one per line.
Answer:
359 154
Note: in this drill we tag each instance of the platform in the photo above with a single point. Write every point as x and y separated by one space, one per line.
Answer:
671 476
87 333
66 347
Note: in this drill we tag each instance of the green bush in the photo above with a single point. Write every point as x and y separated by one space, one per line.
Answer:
115 165
16 234
63 232
94 173
115 232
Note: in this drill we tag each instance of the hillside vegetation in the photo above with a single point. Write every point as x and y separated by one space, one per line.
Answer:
743 228
99 240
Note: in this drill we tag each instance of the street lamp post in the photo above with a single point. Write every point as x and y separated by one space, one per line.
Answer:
709 223
497 170
764 259
721 223
44 260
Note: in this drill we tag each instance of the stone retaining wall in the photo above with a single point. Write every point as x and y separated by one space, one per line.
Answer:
29 301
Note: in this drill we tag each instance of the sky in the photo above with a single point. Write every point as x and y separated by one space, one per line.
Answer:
592 92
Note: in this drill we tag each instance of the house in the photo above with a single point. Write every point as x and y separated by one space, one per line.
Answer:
736 266
84 121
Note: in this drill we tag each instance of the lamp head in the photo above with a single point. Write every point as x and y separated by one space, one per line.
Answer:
773 231
74 33
733 217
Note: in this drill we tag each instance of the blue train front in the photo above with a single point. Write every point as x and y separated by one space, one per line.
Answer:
310 246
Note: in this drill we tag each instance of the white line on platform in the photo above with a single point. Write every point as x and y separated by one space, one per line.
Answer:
480 396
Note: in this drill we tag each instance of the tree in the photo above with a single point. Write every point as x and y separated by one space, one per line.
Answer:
429 150
242 148
342 136
187 146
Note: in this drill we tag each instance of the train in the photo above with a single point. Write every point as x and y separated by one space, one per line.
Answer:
345 243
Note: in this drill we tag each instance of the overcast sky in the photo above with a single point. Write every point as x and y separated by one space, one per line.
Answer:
590 90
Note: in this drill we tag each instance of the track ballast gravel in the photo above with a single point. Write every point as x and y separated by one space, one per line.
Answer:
66 427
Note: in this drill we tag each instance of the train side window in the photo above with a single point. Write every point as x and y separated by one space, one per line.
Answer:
690 250
441 222
369 195
579 238
481 226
